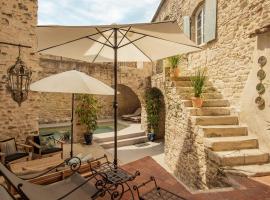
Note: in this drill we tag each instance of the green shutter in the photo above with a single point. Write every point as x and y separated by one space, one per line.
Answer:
210 20
186 25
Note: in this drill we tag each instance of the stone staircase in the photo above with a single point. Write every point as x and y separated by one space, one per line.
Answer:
229 144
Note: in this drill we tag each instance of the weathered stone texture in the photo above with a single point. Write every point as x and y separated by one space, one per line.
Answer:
184 149
17 25
132 84
229 57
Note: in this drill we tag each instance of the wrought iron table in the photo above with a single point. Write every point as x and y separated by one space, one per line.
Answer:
112 179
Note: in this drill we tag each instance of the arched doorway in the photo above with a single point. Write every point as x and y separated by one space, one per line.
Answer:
128 101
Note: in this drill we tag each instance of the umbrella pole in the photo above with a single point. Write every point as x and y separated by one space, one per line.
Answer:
115 104
72 127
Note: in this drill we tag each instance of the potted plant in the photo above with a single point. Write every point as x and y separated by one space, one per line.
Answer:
174 62
153 105
87 111
198 83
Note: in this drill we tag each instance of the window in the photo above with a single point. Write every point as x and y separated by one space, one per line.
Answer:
199 20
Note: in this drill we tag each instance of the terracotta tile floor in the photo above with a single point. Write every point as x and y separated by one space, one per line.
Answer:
250 190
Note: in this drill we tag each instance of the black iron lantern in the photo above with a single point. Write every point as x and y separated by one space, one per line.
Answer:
19 79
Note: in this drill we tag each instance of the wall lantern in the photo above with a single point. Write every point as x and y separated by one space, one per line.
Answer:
18 80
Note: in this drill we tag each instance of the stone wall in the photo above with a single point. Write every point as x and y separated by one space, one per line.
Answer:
17 25
259 122
232 70
184 151
57 107
229 57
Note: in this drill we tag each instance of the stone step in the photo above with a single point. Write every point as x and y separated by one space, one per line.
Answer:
249 170
239 157
231 143
224 130
110 137
188 83
124 142
209 89
209 111
188 96
181 78
210 103
214 120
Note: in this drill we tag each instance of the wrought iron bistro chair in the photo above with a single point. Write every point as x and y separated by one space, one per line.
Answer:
157 193
12 152
44 150
73 187
112 179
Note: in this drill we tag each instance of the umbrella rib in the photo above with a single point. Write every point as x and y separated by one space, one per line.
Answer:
131 41
72 41
124 36
101 49
100 42
137 47
161 38
107 39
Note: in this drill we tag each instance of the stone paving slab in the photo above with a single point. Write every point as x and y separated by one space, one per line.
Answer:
249 189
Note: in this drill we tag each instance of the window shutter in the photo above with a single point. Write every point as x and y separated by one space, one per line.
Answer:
186 25
210 20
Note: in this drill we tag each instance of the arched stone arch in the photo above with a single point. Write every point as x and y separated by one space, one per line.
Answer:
128 100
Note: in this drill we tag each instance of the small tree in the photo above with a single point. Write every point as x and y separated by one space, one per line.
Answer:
87 110
153 106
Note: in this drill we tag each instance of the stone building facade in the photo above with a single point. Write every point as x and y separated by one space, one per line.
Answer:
231 57
18 20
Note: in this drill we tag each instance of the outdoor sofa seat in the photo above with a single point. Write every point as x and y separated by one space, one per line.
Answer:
4 194
40 152
12 152
73 187
135 114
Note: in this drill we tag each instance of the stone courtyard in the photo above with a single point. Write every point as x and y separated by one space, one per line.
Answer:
198 149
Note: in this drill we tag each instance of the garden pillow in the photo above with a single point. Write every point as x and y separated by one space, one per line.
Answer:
47 141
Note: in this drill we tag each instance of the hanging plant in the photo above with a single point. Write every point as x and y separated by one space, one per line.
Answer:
153 101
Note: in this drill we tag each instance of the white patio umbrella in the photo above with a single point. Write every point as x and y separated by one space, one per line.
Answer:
113 43
73 82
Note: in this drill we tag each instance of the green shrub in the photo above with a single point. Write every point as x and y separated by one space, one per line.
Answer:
87 110
153 101
174 61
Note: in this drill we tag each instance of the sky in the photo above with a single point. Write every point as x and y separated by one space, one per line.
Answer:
94 12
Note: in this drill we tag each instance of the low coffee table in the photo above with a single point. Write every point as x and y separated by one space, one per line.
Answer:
35 166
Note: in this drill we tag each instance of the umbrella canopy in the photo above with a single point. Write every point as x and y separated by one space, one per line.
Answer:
113 43
72 82
135 42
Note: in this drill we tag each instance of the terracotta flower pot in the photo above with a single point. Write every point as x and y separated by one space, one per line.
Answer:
197 102
176 72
